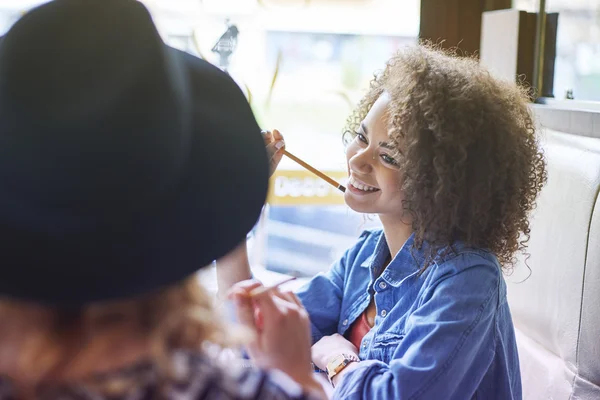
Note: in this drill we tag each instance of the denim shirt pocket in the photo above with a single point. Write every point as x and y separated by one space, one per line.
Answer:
384 346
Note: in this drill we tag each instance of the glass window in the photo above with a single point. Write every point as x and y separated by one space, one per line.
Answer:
577 66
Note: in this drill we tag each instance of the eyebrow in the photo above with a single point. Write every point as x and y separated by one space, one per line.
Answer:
364 128
387 145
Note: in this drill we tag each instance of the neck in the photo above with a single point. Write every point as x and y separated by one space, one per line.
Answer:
396 233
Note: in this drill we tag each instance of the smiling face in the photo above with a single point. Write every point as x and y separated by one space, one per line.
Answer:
374 178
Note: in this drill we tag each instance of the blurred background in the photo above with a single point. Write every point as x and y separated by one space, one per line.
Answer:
303 64
577 64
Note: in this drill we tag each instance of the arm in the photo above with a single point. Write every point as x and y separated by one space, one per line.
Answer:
233 268
447 349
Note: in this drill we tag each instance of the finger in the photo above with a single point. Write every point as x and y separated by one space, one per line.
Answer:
267 136
282 302
287 301
271 312
245 311
258 319
278 293
275 146
287 296
278 155
248 283
274 150
295 299
277 135
243 287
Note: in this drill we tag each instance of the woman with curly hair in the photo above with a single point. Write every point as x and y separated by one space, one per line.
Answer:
446 155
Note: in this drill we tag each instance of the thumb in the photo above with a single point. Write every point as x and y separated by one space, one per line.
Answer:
271 314
244 310
277 135
274 148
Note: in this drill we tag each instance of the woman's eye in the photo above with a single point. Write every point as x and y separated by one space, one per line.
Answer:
389 160
361 137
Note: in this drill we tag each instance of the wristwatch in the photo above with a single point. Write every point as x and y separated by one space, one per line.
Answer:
337 364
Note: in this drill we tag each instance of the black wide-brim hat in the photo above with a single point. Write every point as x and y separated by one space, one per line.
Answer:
125 165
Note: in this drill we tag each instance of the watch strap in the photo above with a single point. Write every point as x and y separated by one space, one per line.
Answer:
346 359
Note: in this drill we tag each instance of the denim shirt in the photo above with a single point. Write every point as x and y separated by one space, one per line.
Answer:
445 333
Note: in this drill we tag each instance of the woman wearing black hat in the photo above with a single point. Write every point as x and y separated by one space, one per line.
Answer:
110 201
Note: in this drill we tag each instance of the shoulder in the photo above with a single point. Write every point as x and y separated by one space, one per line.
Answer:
472 266
458 258
469 282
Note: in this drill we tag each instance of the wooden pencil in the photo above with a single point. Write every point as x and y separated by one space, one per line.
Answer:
265 289
315 171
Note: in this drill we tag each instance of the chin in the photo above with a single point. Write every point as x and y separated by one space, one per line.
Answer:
360 207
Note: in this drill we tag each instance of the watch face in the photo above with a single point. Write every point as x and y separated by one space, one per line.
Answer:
336 361
336 365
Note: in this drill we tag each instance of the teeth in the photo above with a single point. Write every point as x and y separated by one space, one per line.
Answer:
360 186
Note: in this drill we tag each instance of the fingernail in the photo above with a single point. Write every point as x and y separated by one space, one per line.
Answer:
279 145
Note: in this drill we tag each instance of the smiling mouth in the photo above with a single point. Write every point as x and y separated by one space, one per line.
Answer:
354 184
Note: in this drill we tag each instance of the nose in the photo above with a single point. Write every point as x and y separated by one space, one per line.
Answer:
360 160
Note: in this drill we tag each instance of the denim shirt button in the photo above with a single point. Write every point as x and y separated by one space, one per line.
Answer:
345 322
382 285
383 313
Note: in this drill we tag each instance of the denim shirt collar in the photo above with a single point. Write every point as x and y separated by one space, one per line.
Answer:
408 261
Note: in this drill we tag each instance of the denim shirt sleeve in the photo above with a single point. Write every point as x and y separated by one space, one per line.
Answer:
322 296
447 348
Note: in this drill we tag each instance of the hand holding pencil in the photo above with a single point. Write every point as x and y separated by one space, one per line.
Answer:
281 330
275 148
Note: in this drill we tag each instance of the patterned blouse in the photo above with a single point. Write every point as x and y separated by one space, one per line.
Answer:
198 377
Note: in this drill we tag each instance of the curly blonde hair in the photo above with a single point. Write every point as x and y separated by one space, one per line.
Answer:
467 148
37 342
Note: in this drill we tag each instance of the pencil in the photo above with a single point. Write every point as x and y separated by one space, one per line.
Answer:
315 171
265 289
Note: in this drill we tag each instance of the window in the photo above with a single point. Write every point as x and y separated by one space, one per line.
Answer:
577 65
304 65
